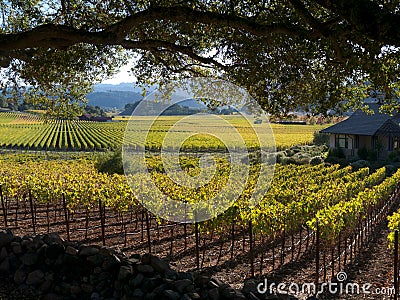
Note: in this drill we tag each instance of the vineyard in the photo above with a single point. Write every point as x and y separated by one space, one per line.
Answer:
324 212
27 131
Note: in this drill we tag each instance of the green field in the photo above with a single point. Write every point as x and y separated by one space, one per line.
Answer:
19 130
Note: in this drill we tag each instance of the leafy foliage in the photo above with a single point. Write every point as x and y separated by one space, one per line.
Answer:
289 54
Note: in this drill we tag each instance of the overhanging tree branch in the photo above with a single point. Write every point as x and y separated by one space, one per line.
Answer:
368 18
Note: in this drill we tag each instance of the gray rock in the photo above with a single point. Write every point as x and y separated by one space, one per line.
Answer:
213 294
88 250
42 250
135 261
137 280
54 251
105 251
227 292
190 288
87 288
46 285
151 296
170 274
29 259
76 289
5 238
252 296
146 258
124 272
3 253
16 247
5 266
150 284
95 260
64 288
202 280
182 284
219 282
213 284
194 296
160 289
35 278
95 296
250 286
71 251
52 296
110 263
147 269
239 295
159 265
49 276
37 242
104 276
52 238
20 276
185 275
171 295
137 293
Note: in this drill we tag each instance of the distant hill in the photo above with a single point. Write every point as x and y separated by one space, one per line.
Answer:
109 99
124 86
115 95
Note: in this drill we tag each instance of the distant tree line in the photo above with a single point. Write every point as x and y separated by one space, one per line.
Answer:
174 109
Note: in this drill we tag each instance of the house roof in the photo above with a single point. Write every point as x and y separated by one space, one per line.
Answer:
360 123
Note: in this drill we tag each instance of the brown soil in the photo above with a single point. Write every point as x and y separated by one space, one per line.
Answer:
128 233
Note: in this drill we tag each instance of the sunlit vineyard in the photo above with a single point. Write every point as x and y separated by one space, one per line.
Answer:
298 194
27 131
302 202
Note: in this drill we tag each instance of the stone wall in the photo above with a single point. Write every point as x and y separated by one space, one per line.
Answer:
47 267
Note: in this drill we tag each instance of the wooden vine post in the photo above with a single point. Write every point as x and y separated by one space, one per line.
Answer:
3 207
251 249
102 221
66 215
32 212
317 249
196 234
148 232
396 264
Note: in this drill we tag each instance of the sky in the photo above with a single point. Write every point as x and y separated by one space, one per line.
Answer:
122 76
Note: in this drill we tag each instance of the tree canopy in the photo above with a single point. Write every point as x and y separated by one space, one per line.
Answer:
288 53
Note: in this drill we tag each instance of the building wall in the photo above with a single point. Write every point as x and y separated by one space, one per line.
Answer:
384 151
332 141
364 141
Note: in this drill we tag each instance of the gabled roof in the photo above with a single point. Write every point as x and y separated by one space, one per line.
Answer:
360 123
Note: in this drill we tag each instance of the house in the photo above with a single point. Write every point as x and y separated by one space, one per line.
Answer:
379 132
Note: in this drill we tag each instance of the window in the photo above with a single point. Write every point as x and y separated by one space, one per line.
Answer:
346 141
356 141
374 142
341 141
396 143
